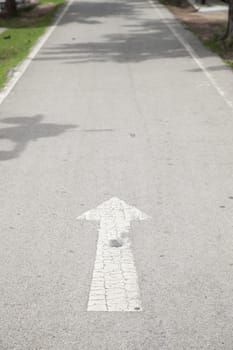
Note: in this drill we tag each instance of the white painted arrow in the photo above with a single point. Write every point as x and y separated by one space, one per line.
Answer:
114 284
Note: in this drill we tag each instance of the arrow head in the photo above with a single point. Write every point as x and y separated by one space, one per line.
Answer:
113 208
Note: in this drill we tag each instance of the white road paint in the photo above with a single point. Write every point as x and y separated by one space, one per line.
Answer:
22 67
193 54
114 284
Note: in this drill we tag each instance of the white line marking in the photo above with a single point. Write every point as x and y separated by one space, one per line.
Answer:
194 56
114 284
22 67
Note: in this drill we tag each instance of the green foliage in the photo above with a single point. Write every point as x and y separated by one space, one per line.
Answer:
16 41
219 46
55 2
173 2
215 44
230 63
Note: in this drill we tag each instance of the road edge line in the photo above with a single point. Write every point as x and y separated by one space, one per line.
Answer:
23 66
193 54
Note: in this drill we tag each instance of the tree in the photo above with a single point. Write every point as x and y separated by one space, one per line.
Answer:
229 29
11 8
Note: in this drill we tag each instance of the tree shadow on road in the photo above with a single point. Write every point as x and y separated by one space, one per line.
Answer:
146 40
25 130
139 37
86 12
132 34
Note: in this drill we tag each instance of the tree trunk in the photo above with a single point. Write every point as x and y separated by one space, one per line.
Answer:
11 8
229 29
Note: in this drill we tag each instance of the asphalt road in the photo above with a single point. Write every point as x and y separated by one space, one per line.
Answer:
114 105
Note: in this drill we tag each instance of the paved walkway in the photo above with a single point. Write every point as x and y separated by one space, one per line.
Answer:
118 122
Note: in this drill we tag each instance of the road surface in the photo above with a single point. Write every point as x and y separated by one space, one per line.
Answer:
122 110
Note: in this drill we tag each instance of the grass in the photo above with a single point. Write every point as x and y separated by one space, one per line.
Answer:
20 35
230 63
222 48
214 44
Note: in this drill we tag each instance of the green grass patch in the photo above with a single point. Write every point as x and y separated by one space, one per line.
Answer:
178 3
230 63
21 35
222 48
55 2
215 44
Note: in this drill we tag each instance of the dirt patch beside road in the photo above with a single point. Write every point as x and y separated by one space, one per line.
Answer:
208 26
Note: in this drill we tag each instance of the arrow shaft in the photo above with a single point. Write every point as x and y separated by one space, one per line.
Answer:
114 284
